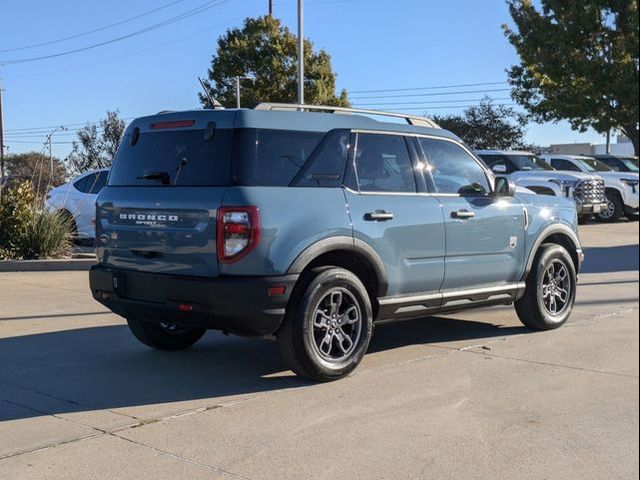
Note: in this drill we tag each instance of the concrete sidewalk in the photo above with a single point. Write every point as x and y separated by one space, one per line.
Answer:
473 395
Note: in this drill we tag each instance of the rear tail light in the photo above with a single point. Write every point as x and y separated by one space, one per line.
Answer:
238 232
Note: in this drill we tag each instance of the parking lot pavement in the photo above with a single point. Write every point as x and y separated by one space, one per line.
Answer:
469 395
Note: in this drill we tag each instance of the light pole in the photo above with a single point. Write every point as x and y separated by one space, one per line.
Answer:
238 79
301 52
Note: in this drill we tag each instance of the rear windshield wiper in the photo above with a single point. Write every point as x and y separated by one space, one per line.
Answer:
161 176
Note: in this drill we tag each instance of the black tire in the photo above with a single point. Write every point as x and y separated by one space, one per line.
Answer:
531 308
302 341
615 208
165 336
633 216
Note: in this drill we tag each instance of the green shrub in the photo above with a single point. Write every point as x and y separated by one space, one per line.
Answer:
27 232
16 211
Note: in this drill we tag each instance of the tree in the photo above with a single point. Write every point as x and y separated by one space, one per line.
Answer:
579 62
43 171
97 144
265 52
487 126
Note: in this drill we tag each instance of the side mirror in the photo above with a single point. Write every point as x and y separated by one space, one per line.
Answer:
504 188
499 168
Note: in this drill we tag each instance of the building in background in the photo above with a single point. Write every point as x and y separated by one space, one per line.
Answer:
623 146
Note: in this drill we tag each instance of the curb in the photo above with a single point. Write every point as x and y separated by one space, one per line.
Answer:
57 265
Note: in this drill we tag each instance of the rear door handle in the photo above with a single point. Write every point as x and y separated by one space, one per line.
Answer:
378 216
463 214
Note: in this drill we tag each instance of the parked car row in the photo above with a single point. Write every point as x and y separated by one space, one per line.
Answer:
595 187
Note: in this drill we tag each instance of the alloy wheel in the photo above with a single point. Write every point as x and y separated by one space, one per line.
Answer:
556 288
337 325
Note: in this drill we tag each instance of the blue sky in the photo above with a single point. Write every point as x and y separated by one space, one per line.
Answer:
375 44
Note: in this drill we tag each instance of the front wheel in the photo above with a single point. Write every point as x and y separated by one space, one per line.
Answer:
614 210
328 326
550 291
165 336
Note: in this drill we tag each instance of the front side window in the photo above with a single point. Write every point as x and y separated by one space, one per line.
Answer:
566 165
453 169
383 164
493 161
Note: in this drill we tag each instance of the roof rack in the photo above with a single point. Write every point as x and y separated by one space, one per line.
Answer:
410 119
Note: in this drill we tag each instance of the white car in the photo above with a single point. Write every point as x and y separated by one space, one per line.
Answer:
621 187
77 199
530 171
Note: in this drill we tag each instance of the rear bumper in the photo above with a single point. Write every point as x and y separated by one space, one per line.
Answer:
240 305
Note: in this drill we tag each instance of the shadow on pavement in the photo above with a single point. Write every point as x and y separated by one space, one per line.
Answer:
611 259
106 368
435 330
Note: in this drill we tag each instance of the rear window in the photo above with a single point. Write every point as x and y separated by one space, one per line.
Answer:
272 157
179 158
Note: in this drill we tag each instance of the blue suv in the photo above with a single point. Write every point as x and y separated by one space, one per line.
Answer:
309 224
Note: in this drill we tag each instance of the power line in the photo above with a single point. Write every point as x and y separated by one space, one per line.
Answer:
465 100
449 107
78 35
200 9
484 84
138 52
433 94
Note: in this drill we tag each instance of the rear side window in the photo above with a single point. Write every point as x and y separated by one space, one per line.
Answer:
81 185
327 165
383 164
272 158
180 158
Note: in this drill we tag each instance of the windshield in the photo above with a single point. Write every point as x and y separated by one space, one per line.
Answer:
631 163
593 165
529 163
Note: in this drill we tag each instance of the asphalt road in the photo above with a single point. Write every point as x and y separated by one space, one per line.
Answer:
470 395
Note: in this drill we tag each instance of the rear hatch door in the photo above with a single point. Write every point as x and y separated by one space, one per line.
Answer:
158 212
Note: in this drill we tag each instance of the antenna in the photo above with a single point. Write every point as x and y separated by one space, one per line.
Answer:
214 103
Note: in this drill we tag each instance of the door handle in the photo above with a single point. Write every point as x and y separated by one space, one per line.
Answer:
463 214
378 216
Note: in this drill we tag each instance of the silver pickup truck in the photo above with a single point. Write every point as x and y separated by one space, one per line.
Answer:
526 169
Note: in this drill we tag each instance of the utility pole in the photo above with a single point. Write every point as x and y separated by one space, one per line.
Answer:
608 147
271 8
2 172
301 52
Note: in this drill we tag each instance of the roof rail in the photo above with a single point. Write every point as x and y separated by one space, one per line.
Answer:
410 119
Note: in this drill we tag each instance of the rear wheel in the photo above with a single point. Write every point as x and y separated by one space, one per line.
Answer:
165 336
551 290
328 326
614 210
72 225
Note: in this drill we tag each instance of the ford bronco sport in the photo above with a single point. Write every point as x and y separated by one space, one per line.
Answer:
310 224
